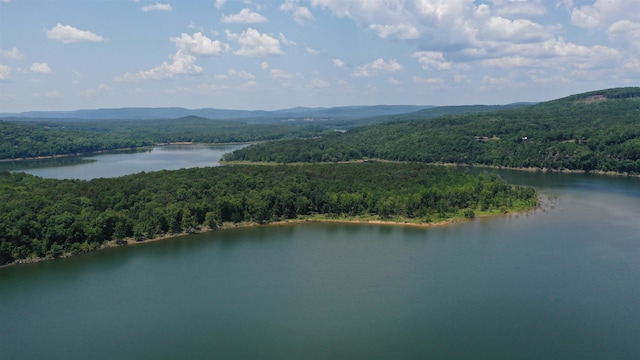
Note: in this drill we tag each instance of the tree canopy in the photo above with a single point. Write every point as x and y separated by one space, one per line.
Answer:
596 131
47 217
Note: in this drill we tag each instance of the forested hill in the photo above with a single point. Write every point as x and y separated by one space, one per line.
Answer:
595 131
38 139
46 217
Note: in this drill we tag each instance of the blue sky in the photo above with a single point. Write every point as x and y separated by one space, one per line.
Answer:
274 54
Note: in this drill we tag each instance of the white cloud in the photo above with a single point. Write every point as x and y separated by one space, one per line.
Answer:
180 64
264 65
625 33
157 7
231 73
245 16
300 14
432 60
253 43
220 3
604 13
393 81
198 45
313 51
5 71
319 84
524 8
93 92
429 81
279 74
285 40
497 28
190 47
398 31
377 66
70 34
13 54
339 64
41 68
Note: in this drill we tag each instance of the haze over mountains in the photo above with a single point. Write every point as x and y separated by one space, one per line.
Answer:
334 113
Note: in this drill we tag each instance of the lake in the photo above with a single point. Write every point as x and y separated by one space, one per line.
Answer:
561 282
91 166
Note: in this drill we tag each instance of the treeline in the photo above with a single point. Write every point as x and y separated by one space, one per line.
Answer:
592 131
28 139
47 217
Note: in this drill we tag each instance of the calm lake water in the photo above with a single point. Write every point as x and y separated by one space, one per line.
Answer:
167 157
561 282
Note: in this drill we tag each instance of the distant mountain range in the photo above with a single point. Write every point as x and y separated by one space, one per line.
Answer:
298 113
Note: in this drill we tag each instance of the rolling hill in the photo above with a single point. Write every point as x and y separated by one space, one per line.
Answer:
594 131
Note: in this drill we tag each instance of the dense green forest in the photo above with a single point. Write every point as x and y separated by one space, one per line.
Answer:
47 217
39 137
27 139
595 131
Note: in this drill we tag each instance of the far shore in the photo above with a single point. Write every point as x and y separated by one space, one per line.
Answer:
117 150
306 219
222 162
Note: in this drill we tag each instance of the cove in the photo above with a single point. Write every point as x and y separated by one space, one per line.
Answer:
119 163
557 283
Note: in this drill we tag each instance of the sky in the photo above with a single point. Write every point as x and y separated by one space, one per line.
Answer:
277 54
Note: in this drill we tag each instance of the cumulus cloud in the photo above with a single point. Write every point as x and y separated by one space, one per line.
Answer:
190 48
300 14
198 45
279 74
319 83
13 54
220 3
625 32
252 43
397 31
604 13
432 60
339 63
313 51
41 68
245 16
456 36
231 73
511 8
521 30
70 34
5 71
285 40
180 64
377 66
157 7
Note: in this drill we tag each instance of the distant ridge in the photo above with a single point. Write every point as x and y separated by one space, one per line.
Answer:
140 113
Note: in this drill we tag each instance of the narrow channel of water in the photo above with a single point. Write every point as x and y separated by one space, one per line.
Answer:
119 163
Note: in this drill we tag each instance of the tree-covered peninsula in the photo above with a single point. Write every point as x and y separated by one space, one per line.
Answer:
44 218
595 131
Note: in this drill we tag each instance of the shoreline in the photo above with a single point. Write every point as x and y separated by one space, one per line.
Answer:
306 219
57 156
496 167
245 162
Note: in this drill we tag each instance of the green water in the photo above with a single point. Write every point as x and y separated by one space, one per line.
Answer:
558 283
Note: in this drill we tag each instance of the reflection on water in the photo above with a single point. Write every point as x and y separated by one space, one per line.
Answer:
119 163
